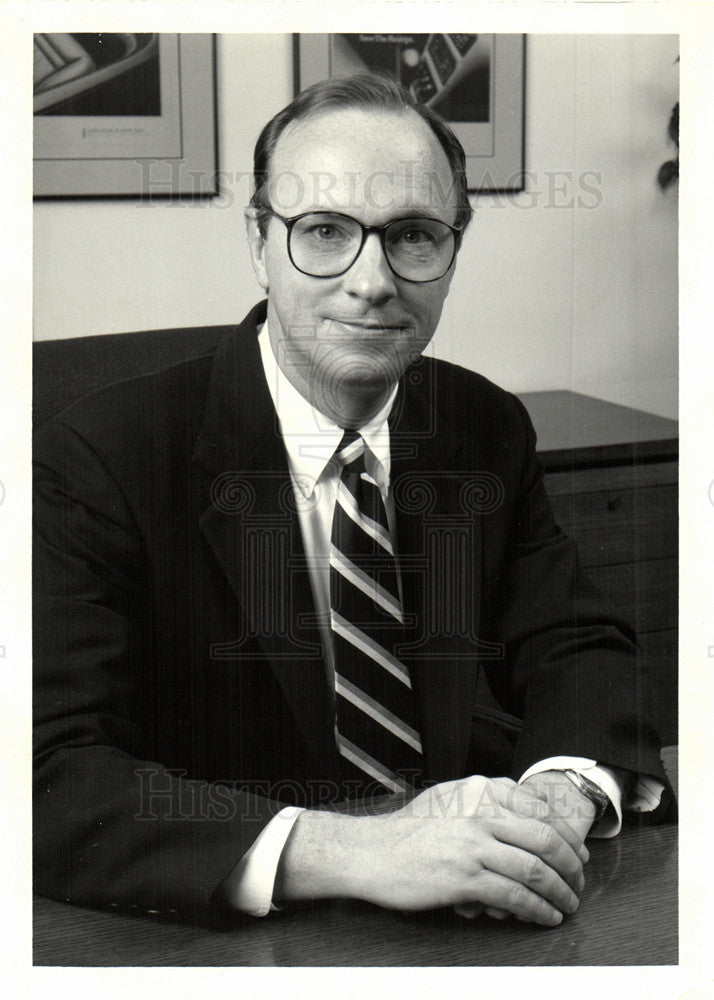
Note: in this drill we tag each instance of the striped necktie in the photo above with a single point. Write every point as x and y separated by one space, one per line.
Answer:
376 727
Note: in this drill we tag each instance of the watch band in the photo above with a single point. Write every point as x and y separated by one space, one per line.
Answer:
590 790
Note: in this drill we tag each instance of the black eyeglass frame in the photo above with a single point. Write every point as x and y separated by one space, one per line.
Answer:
290 221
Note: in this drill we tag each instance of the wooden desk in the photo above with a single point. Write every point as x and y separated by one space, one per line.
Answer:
628 916
611 474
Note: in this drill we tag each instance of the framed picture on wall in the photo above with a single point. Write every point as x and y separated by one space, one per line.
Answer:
124 114
475 81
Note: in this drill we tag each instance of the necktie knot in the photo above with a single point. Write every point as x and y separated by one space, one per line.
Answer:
350 453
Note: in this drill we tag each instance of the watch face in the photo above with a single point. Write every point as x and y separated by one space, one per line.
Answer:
590 790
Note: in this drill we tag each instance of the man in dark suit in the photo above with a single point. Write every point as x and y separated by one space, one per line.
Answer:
202 675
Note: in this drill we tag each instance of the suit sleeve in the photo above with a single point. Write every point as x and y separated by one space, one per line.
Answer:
573 670
99 838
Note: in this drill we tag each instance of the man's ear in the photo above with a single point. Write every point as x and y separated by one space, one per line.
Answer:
256 244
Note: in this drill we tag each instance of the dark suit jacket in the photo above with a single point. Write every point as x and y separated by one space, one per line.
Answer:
181 697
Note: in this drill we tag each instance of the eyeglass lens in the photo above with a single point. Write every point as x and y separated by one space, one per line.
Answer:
324 244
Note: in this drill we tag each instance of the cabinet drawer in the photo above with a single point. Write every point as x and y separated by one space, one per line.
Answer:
620 525
617 477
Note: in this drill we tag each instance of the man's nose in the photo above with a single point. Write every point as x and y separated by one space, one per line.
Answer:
371 277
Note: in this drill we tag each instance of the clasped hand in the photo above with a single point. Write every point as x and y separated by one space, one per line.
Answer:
488 842
476 843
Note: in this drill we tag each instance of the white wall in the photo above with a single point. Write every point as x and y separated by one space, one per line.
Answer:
571 284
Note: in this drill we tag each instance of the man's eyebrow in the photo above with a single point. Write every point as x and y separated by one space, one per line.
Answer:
414 213
425 214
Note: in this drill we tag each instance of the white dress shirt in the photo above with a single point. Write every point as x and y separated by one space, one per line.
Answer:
310 441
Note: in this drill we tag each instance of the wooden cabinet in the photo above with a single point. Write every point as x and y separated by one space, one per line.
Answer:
611 474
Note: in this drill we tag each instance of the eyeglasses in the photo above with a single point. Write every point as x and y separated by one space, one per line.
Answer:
326 244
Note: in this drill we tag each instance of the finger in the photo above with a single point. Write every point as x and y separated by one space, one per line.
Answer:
533 873
505 894
544 842
470 912
542 806
571 837
533 789
524 803
501 798
527 801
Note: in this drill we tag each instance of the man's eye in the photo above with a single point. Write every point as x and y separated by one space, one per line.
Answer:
415 237
325 231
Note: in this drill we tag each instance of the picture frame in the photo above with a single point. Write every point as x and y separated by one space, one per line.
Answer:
476 81
120 115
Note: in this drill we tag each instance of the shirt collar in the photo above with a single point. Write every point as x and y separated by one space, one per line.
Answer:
311 438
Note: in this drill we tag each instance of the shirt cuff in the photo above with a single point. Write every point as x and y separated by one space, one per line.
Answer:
249 887
644 795
610 823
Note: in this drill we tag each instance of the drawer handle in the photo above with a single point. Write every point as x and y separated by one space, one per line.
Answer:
614 503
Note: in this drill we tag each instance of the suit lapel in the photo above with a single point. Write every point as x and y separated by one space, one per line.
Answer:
253 530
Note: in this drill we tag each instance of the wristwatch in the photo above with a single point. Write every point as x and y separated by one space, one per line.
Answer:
590 790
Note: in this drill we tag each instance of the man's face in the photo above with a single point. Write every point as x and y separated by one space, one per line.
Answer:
343 341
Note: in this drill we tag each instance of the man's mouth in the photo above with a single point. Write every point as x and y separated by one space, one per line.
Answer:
371 325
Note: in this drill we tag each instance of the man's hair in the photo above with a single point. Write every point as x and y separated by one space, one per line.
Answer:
362 91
